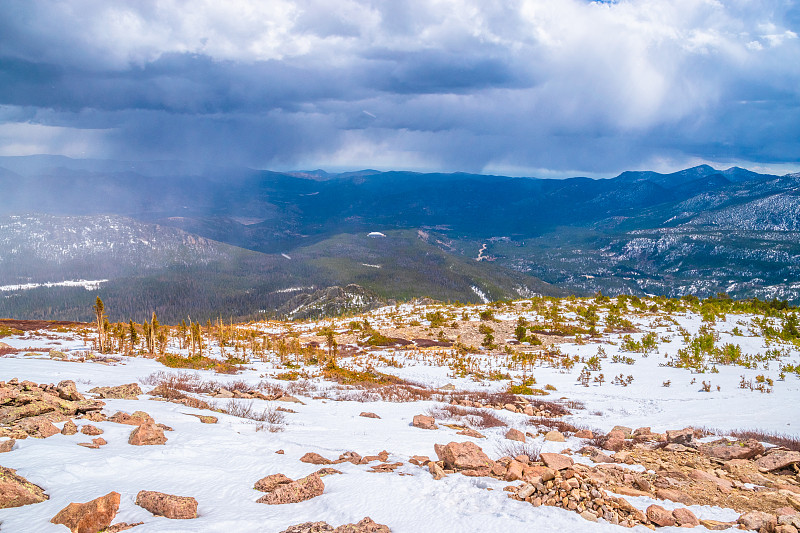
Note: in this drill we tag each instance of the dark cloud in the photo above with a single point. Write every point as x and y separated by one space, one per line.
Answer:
530 86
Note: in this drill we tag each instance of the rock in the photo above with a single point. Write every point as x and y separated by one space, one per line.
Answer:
469 432
685 518
754 520
462 456
350 457
328 471
16 491
366 525
716 525
168 505
677 448
614 444
515 434
424 422
315 459
789 520
734 450
660 516
89 517
682 436
303 489
556 461
91 430
289 399
584 434
625 431
514 471
69 428
674 495
794 501
121 526
136 419
588 515
131 391
147 434
436 471
68 391
269 483
526 490
7 445
369 415
38 426
310 527
205 419
554 436
777 460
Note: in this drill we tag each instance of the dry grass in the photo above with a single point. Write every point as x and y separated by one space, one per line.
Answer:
274 418
512 448
469 416
556 424
778 439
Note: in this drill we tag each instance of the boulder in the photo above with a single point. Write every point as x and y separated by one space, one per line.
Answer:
674 495
91 430
89 517
16 491
556 461
681 436
68 391
350 457
424 422
777 460
269 483
303 489
147 434
463 456
367 525
315 459
515 434
625 431
469 432
685 518
38 426
130 391
554 436
614 444
727 451
755 520
584 434
660 516
369 415
168 505
69 428
7 445
716 525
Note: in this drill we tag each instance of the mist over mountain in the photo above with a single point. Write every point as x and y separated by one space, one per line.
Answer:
449 236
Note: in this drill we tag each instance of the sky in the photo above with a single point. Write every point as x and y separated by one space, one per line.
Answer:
518 87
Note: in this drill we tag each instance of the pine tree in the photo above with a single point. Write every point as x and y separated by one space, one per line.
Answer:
99 314
133 335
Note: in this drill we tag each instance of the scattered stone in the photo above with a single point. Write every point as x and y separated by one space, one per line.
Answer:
315 459
556 461
280 452
16 491
424 422
68 391
121 526
147 434
168 505
7 445
436 471
584 434
89 517
419 460
515 434
660 516
269 483
369 415
303 489
367 525
554 436
328 471
130 391
91 430
385 467
685 518
69 428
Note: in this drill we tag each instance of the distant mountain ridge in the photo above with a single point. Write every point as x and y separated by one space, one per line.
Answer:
696 230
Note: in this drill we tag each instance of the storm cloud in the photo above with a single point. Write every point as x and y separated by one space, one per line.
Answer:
530 87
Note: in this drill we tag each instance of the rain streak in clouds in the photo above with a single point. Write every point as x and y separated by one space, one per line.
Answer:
526 87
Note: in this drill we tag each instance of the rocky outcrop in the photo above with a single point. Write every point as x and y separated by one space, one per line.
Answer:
271 482
315 459
167 505
464 456
16 491
424 422
726 450
89 517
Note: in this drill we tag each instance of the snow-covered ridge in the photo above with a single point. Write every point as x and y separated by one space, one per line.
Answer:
89 285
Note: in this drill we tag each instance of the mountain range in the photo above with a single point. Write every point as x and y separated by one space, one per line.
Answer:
211 241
